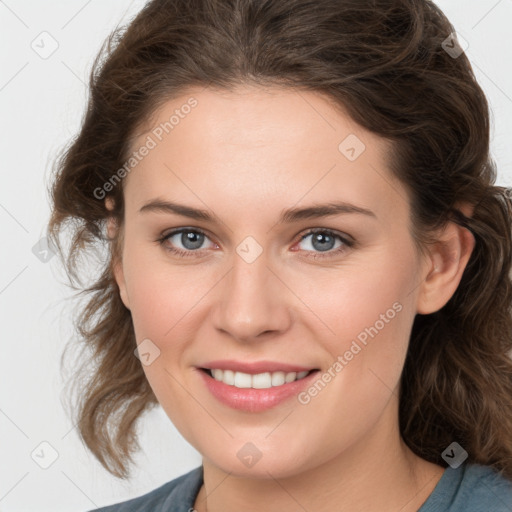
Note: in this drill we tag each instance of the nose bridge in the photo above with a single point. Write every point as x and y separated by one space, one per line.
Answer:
252 299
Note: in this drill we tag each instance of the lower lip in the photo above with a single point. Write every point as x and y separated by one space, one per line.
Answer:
254 400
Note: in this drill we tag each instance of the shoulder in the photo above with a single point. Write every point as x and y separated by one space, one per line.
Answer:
470 488
178 495
485 486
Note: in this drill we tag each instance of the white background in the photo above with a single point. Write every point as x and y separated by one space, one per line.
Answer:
41 103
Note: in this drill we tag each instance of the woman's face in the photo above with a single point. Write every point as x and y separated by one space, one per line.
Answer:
254 295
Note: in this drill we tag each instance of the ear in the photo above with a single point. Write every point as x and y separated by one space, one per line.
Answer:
446 263
116 253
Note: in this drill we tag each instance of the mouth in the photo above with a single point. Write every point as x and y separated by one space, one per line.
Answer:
263 380
255 390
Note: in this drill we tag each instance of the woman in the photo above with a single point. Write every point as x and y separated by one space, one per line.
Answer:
225 142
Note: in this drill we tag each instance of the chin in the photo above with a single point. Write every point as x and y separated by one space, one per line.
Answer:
247 460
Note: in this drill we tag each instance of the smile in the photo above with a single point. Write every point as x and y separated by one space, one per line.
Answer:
258 381
259 387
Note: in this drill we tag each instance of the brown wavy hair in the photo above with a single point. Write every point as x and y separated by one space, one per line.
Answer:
385 62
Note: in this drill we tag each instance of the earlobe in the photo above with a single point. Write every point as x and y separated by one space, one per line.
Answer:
117 269
447 262
116 253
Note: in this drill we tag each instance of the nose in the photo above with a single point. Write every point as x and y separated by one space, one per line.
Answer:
253 301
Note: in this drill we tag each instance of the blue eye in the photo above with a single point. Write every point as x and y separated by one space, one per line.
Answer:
322 241
190 239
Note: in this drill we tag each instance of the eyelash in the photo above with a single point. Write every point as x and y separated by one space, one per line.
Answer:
316 255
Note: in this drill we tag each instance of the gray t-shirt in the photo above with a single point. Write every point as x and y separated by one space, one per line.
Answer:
469 488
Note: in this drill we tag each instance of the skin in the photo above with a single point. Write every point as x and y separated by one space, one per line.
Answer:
246 155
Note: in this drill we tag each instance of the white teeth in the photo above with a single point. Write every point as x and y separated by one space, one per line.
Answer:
290 377
228 377
261 380
242 380
277 379
258 381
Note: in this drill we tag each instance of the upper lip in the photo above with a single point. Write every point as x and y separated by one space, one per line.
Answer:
254 367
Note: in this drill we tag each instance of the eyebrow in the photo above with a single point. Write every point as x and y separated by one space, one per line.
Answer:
289 215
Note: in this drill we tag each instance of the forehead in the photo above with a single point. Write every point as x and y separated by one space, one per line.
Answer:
263 145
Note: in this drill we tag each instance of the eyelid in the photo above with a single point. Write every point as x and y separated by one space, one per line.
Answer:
344 236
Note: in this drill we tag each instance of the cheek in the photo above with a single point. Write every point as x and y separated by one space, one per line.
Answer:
161 294
366 320
370 319
165 301
364 298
